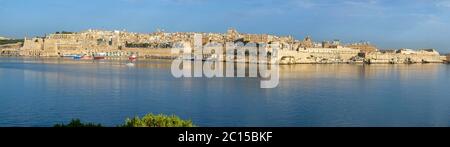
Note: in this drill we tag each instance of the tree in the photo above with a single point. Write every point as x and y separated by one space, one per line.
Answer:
76 123
151 120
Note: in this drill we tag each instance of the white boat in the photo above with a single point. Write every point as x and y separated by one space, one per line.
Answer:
130 64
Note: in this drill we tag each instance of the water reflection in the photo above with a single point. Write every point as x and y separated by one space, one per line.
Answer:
349 71
41 92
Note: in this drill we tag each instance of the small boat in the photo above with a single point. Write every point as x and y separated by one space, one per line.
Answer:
68 55
186 57
132 57
130 64
86 57
211 58
99 57
77 57
197 58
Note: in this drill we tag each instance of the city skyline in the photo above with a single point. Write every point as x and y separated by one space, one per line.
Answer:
387 24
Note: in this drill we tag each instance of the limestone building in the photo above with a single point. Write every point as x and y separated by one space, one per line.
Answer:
158 45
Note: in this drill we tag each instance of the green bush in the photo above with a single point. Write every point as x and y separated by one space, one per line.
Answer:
151 120
13 41
76 123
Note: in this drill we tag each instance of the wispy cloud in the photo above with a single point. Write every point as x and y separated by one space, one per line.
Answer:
443 3
304 3
373 20
360 2
327 3
184 1
168 1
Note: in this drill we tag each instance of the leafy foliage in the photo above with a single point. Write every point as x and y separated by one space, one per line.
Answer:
64 32
151 120
76 123
3 42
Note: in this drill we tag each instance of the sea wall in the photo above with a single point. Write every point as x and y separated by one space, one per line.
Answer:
10 49
317 55
399 58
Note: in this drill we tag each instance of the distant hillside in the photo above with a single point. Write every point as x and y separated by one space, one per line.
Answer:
4 40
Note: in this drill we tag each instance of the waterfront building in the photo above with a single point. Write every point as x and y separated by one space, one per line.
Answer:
10 49
116 44
405 56
365 47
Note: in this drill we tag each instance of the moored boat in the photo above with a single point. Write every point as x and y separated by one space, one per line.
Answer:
70 55
86 57
76 57
132 57
99 57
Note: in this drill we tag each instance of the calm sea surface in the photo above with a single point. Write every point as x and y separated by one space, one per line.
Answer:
42 92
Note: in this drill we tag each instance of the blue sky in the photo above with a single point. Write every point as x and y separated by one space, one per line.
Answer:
387 23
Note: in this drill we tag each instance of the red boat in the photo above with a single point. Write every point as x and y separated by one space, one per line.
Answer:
132 57
99 57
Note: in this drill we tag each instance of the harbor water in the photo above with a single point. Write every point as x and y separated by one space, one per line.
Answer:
45 91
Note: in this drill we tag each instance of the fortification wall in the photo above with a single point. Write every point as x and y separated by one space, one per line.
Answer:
403 58
10 49
317 55
33 44
144 52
